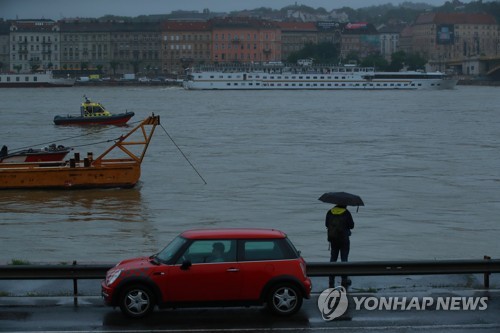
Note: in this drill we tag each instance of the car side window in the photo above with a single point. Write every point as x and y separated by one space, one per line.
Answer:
267 249
210 251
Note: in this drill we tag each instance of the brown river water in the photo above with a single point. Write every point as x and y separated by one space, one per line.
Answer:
426 164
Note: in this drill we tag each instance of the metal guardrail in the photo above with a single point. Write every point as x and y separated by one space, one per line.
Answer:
77 272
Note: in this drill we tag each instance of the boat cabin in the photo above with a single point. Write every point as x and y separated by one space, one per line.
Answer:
93 109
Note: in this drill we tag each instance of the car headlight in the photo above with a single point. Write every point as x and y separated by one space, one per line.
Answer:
112 276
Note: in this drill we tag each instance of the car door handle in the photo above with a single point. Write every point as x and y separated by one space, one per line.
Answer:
232 270
158 273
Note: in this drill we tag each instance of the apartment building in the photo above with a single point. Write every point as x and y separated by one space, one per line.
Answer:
445 37
295 35
361 38
4 46
185 44
245 40
34 45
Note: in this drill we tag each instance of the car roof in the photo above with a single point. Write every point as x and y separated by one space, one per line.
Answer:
239 233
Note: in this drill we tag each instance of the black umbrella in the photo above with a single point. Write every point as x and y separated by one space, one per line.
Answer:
342 199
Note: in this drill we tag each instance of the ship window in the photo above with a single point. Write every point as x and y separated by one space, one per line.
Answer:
322 77
329 84
315 77
211 76
343 77
293 84
286 77
286 84
228 84
8 78
322 85
300 77
26 78
250 84
300 84
17 79
236 84
229 76
336 78
257 84
271 77
35 78
257 77
308 77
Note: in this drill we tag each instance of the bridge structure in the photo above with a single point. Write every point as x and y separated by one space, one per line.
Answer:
482 66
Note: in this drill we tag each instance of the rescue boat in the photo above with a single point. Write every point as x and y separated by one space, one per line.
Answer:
102 172
51 153
93 113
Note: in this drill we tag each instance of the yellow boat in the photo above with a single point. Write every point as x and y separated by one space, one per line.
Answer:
101 172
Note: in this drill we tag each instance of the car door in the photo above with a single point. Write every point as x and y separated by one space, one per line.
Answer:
204 276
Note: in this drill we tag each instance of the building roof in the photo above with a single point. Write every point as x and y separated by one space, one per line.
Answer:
186 26
297 26
455 18
109 26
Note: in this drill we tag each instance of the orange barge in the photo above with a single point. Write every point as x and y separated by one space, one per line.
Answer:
102 172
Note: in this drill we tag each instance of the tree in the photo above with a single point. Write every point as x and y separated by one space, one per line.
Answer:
398 60
322 53
18 68
114 65
84 65
135 65
375 60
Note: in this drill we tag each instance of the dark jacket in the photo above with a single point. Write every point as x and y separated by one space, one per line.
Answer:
343 216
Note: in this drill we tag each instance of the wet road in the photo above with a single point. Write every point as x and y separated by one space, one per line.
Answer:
58 314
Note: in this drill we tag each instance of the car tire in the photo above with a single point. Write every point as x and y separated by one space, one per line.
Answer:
137 301
284 299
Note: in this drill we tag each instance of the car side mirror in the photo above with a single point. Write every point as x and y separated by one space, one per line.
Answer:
186 264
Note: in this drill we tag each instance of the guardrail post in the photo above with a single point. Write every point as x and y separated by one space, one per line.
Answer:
75 287
487 275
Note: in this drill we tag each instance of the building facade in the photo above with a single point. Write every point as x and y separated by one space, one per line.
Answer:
360 38
245 40
185 44
34 45
4 46
448 37
295 35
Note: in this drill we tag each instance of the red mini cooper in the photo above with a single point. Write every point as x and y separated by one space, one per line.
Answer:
218 267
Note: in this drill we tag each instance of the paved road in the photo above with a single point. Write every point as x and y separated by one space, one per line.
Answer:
58 314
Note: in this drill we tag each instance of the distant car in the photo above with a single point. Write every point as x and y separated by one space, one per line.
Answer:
230 267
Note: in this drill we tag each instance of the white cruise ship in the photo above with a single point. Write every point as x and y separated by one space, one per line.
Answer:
321 78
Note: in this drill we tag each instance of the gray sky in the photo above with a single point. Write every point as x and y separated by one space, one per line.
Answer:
58 9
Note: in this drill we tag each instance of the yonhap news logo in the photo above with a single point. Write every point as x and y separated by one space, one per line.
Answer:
333 303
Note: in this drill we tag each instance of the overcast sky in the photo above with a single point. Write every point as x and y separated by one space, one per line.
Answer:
58 9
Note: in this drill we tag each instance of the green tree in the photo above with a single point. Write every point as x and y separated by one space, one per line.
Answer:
322 53
114 65
398 60
135 65
375 60
18 68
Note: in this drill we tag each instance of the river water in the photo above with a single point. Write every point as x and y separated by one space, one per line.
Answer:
426 164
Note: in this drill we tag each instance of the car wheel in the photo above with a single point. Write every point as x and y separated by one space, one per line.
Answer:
137 301
284 299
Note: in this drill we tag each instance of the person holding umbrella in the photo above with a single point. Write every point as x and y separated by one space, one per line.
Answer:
339 223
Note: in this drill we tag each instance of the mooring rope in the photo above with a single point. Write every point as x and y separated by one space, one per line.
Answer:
192 166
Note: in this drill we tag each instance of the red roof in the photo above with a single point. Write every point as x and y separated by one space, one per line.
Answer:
234 233
297 26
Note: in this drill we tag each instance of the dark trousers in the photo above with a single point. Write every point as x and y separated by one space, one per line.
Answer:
336 249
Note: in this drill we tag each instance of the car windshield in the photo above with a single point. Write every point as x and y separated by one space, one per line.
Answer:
171 249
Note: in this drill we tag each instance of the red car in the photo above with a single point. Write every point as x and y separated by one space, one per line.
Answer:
229 267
